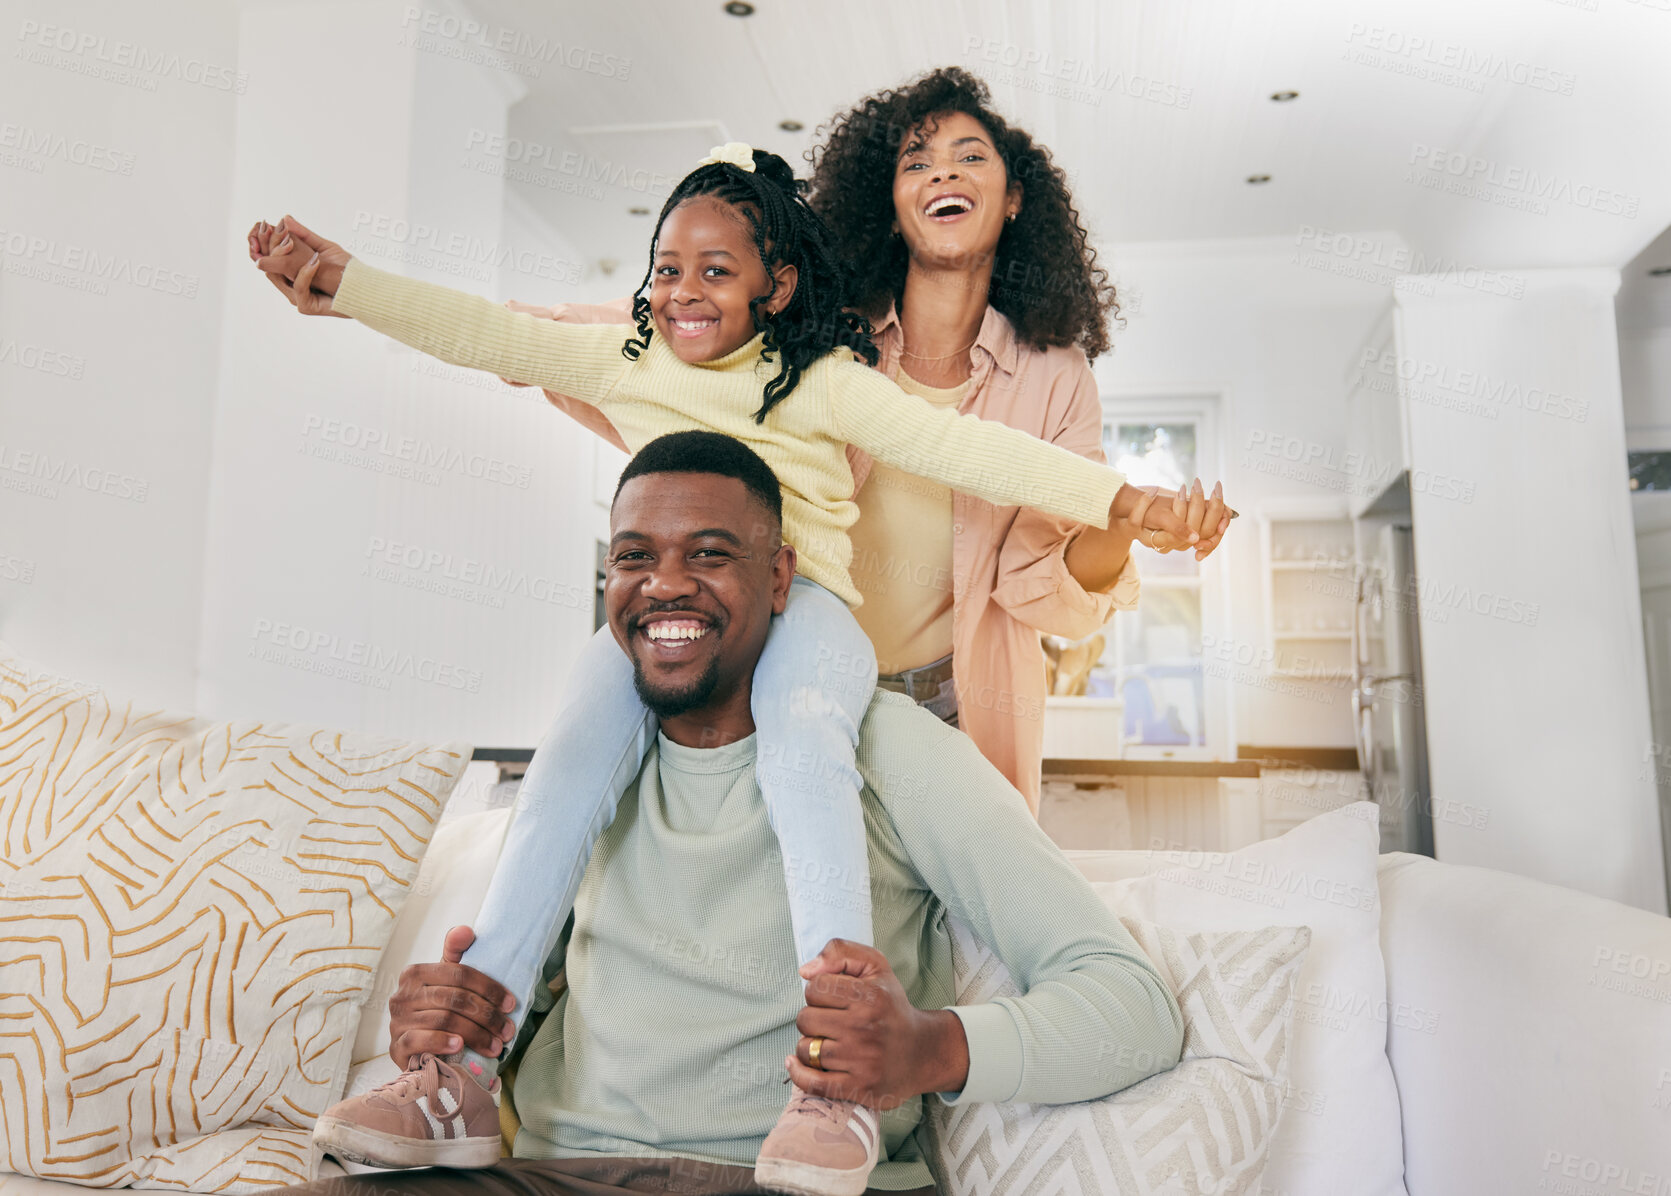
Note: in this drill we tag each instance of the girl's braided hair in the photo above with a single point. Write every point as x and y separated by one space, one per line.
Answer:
786 232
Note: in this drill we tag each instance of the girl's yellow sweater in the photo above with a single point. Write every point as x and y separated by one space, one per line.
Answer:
839 401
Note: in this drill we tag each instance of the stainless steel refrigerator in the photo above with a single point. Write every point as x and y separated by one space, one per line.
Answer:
1386 674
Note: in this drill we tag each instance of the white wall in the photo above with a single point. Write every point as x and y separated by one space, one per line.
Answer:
185 514
1276 339
113 250
347 583
1537 705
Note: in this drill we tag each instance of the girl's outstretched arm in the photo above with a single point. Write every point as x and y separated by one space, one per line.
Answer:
617 312
989 460
581 360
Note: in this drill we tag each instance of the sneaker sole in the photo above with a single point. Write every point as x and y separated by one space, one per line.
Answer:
804 1179
376 1149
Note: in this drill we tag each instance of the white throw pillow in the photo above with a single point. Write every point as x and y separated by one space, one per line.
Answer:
1202 1126
195 914
1342 1132
448 892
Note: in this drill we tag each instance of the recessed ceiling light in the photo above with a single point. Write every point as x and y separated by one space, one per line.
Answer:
738 8
1659 271
1258 178
638 211
790 126
1282 97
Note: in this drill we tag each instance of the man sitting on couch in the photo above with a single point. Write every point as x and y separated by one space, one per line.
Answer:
662 1065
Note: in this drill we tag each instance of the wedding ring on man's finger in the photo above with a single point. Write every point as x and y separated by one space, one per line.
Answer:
814 1053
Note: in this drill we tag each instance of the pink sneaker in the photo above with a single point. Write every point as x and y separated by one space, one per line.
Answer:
432 1115
820 1147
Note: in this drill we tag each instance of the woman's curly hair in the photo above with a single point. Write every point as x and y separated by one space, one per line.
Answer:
1045 277
786 232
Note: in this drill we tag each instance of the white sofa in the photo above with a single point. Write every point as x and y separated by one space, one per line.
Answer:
1551 1070
1528 1031
1540 1059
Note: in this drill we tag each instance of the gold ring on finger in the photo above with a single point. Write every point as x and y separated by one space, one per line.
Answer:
815 1052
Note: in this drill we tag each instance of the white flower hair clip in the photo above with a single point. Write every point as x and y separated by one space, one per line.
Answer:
733 153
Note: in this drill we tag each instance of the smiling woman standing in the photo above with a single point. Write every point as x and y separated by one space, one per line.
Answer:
972 263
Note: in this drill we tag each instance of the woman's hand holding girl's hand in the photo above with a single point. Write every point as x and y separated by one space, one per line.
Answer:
260 239
305 267
1207 516
1136 507
1164 520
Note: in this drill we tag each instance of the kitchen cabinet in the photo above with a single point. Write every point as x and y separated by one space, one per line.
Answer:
1307 563
1377 424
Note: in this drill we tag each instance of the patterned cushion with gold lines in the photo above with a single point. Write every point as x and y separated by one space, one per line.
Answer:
193 914
1203 1126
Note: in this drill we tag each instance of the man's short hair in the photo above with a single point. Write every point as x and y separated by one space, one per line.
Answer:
708 452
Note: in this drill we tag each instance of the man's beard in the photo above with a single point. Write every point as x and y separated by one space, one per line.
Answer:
670 703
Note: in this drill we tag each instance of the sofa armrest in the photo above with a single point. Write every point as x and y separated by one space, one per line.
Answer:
1529 1028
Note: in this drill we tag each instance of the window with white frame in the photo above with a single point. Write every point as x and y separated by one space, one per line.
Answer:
1152 659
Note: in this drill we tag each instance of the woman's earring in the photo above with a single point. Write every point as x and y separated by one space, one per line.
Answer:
1010 219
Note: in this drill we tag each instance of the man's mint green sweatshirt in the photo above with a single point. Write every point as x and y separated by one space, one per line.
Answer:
682 985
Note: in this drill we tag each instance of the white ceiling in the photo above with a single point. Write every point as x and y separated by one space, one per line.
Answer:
1340 156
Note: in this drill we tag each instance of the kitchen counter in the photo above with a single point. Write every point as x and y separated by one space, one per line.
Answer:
1251 762
1070 770
1207 805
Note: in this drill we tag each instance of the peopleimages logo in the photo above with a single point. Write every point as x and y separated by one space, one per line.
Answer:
1489 390
34 253
41 474
359 661
417 567
46 361
583 168
376 448
1376 260
1445 61
42 145
1085 79
1474 171
422 244
426 28
16 568
126 62
1271 878
1583 1175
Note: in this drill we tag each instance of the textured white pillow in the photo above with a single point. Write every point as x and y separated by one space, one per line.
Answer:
1343 1131
195 912
1202 1126
449 890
